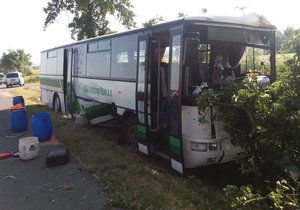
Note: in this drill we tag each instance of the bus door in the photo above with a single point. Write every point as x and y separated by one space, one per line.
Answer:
68 66
142 94
174 99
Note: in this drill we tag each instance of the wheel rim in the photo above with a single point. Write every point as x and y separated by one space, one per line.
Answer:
132 135
57 105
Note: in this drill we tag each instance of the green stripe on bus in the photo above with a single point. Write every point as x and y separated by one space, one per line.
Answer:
53 82
175 145
141 132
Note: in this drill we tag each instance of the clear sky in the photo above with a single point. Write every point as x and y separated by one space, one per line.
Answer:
21 21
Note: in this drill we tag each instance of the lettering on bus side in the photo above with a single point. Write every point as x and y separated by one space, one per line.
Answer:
97 90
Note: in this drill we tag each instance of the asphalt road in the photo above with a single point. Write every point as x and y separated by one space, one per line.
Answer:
30 185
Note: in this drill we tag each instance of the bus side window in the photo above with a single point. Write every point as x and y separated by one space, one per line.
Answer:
123 60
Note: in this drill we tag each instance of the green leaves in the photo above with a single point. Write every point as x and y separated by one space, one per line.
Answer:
266 122
282 196
292 37
90 16
153 21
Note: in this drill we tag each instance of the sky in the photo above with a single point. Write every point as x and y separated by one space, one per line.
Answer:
21 21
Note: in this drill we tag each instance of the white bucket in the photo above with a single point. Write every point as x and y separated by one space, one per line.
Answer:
28 148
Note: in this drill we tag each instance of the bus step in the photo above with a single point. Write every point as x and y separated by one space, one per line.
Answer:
110 124
162 155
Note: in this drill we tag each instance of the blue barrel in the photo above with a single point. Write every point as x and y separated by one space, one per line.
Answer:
18 120
18 100
42 126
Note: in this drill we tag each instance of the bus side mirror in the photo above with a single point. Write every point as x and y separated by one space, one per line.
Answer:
191 52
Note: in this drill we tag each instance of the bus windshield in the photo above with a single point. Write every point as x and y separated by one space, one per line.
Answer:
227 55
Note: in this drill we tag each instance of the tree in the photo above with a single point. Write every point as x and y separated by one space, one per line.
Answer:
279 39
181 15
90 16
204 10
265 121
16 60
291 39
153 21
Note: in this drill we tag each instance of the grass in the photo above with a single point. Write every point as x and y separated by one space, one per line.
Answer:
30 92
134 180
35 77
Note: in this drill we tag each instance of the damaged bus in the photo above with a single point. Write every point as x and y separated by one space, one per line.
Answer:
150 78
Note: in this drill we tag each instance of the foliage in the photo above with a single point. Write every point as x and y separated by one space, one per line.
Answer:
16 60
34 77
291 39
90 16
265 121
282 196
181 15
153 21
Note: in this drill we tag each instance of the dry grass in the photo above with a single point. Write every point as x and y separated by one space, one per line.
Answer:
30 93
35 77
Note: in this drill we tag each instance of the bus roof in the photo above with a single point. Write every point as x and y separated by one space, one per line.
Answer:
252 21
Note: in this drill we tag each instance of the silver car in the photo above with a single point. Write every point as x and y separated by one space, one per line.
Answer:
14 78
2 78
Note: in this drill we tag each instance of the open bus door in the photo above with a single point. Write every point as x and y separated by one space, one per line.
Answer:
174 100
67 87
142 94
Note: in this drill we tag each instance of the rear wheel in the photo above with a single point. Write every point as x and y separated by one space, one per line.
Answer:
129 124
56 103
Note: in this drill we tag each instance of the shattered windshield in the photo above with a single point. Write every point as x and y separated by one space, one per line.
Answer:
222 63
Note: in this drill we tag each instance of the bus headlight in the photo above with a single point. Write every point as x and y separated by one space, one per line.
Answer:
213 146
201 147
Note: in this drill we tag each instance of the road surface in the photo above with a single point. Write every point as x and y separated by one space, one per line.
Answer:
30 185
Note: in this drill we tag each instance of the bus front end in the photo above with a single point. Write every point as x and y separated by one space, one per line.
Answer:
214 55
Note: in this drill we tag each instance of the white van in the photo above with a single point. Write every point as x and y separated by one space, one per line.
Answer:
14 78
2 78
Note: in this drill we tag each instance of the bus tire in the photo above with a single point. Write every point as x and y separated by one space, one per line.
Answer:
56 103
129 124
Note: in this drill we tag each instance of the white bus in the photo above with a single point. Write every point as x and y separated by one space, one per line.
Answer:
151 77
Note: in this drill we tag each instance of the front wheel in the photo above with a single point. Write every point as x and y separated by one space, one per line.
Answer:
56 104
129 124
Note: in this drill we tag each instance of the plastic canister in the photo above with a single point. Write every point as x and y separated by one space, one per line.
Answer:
42 126
28 148
18 120
18 100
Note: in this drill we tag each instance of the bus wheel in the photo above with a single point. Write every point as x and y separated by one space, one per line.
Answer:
130 130
56 104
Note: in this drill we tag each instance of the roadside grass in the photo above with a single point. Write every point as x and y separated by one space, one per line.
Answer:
34 77
30 93
135 181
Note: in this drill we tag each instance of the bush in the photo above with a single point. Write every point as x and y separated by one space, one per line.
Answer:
266 123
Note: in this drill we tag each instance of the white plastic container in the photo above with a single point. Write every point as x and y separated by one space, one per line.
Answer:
28 148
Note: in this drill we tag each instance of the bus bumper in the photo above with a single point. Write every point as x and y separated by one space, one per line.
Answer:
196 158
225 152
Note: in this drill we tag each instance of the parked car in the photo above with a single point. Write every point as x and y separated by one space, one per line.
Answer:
2 78
14 78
